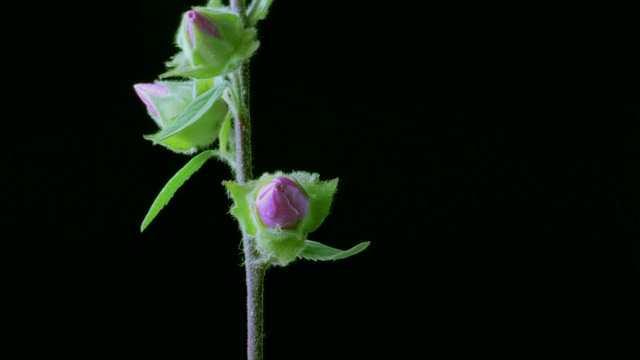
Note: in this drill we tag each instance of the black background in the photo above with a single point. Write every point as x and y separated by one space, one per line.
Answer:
488 153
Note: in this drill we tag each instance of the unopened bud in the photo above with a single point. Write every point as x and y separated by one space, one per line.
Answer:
280 210
147 90
213 42
168 100
281 202
202 23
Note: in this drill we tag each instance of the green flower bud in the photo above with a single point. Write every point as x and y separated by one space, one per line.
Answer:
190 103
280 210
212 42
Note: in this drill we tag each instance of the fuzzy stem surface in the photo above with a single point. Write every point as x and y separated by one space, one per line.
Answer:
255 268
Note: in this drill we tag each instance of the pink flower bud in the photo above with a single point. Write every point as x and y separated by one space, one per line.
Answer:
202 23
281 202
146 90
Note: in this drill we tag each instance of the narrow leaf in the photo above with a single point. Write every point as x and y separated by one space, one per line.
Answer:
192 113
319 252
174 184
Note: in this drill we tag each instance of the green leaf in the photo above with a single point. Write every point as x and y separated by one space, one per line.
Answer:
319 252
174 184
192 113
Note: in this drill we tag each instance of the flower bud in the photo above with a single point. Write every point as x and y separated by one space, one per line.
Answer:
280 210
167 100
212 42
282 203
203 24
147 91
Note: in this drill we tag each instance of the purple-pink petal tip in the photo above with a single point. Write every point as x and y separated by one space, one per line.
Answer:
202 23
145 90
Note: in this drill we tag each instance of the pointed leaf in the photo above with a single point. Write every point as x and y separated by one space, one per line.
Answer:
192 113
319 252
174 184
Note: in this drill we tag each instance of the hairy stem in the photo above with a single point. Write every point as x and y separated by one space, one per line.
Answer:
242 124
255 268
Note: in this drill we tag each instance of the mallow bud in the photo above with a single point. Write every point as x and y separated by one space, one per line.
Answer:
202 24
281 202
212 41
188 113
147 91
280 210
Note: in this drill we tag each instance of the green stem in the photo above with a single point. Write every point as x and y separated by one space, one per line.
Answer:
255 268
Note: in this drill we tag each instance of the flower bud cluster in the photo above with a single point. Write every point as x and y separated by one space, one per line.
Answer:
212 43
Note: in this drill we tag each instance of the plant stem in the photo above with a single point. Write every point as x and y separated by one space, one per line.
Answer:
255 268
242 124
243 166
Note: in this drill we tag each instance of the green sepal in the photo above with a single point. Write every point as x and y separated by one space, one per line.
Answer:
181 94
316 251
258 10
174 184
320 194
280 246
241 209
